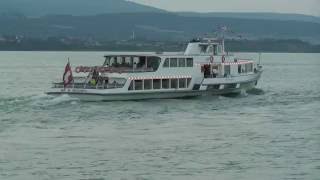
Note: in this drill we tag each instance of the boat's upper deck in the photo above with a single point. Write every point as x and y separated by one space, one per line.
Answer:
197 47
198 53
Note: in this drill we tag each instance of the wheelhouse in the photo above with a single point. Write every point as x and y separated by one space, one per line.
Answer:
205 47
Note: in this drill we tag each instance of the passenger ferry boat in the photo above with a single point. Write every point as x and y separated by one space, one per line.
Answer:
203 69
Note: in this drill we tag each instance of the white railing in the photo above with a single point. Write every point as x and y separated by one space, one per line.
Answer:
88 86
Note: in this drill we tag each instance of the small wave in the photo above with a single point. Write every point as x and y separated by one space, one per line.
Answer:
256 91
14 104
244 93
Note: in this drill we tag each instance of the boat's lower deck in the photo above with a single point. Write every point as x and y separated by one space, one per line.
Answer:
208 86
90 96
130 96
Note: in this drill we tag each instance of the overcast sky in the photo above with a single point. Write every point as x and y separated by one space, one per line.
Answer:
311 7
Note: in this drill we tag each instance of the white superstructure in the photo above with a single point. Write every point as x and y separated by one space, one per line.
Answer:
204 68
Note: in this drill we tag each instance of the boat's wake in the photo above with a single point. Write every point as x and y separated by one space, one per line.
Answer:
245 93
35 101
47 100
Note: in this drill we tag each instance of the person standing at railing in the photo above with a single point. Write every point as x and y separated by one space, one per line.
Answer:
93 82
95 74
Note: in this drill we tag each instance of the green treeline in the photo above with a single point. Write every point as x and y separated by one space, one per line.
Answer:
63 44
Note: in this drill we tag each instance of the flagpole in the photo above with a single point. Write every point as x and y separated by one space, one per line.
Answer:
67 71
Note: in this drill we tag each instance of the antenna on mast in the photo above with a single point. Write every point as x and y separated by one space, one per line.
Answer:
220 33
133 36
259 58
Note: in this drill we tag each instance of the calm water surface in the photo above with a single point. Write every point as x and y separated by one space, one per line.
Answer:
271 133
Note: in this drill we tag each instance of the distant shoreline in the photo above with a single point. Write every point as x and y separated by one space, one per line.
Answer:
263 52
263 46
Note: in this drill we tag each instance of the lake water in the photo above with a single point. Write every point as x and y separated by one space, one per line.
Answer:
272 133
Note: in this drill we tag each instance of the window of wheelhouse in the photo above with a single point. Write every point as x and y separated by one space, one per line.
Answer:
203 49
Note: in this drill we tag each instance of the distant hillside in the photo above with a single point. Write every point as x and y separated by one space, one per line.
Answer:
34 8
63 44
154 26
71 7
266 16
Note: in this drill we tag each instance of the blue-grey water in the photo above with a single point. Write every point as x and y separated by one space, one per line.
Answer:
271 133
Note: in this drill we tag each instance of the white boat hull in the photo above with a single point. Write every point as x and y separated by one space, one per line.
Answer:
247 84
129 96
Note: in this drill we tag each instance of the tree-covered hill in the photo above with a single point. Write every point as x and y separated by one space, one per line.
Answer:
71 7
153 26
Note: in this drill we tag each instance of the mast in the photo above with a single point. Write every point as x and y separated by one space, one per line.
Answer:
223 31
133 36
259 58
223 51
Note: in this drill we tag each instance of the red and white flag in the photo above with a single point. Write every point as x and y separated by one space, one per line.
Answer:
67 76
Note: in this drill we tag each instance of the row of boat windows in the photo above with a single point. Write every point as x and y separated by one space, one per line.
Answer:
244 68
149 84
178 62
150 62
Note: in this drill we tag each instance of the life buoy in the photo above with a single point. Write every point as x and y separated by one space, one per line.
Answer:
211 59
223 58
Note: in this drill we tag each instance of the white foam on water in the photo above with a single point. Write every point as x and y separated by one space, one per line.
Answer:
47 100
74 102
39 97
244 93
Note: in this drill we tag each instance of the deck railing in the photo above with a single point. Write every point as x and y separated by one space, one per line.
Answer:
88 86
83 69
